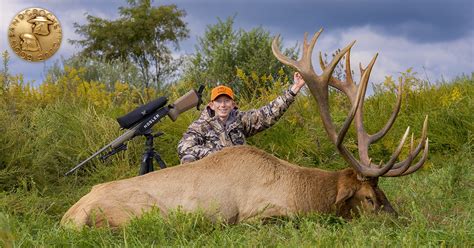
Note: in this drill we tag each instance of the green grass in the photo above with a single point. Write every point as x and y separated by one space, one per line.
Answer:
435 204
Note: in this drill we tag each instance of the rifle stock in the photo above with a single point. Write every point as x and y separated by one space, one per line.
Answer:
183 104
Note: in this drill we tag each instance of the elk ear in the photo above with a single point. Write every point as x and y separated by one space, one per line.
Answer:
344 194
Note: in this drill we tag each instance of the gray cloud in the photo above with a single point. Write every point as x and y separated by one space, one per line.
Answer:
435 36
416 20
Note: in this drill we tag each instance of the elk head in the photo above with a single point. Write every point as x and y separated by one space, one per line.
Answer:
362 192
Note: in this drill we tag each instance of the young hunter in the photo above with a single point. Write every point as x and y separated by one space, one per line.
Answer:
221 124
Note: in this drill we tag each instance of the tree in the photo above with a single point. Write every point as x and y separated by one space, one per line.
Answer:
4 74
143 35
222 51
214 59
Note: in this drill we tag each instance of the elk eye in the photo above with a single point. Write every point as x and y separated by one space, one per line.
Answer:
369 200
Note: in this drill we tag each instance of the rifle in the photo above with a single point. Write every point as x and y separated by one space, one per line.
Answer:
140 121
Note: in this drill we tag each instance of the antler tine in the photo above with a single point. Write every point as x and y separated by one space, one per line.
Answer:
321 61
413 168
348 67
304 65
327 72
280 56
421 162
402 168
362 136
361 68
350 116
406 164
335 82
368 171
308 48
380 134
419 146
342 133
364 81
322 98
386 168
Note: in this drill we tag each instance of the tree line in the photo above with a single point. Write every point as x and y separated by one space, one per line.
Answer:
139 47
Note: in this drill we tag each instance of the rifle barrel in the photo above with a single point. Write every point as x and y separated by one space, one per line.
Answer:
85 161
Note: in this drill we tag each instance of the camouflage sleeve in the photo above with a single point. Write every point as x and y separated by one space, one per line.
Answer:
192 146
257 120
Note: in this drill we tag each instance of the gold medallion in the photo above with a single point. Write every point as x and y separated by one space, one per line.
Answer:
35 34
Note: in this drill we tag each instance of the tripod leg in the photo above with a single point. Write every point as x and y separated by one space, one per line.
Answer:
150 164
147 164
160 161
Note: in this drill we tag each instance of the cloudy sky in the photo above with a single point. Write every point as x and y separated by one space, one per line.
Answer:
434 37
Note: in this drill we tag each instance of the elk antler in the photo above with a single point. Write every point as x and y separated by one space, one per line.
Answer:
319 88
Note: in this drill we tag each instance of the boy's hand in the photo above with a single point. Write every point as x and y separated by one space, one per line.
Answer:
298 82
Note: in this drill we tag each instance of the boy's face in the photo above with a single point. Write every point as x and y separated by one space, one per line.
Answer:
222 105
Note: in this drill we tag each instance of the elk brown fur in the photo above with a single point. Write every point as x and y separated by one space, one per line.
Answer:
238 183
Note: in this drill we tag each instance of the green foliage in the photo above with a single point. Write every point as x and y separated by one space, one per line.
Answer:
99 70
142 34
448 107
223 51
409 80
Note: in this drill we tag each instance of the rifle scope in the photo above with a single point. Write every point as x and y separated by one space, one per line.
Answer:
138 114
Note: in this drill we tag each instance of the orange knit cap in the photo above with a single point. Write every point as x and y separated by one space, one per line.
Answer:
221 90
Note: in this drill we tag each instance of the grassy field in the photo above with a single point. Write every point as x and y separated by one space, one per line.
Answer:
44 134
435 209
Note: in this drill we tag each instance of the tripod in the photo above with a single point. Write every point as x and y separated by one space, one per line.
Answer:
150 154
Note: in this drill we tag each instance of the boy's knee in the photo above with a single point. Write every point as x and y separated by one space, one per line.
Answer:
187 159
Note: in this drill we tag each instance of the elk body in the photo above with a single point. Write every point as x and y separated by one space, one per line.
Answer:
235 184
241 183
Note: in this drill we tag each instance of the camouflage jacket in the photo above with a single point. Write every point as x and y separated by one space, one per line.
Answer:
208 134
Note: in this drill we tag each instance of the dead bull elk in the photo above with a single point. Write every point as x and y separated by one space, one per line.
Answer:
240 183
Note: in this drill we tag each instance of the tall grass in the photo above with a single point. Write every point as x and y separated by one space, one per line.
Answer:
45 134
